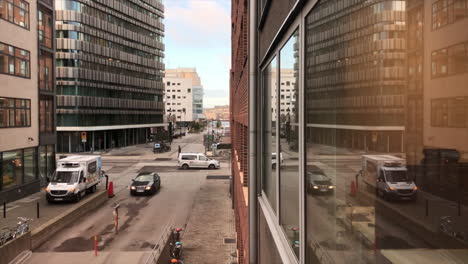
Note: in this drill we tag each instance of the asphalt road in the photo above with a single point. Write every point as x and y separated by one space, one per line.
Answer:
141 219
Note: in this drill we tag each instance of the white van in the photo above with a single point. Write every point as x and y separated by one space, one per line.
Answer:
196 160
74 176
388 176
273 160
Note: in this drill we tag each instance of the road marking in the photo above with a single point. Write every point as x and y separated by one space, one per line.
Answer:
11 207
29 199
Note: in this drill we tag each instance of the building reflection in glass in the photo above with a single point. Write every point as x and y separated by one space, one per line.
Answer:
386 132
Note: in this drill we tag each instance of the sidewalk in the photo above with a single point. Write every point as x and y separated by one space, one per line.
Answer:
27 207
212 222
48 213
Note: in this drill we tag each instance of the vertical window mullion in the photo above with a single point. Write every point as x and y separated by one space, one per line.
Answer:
277 137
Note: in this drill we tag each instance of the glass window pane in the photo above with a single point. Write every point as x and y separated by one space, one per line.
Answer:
12 117
388 150
29 165
4 117
270 146
42 115
288 159
43 163
3 10
3 63
268 252
12 164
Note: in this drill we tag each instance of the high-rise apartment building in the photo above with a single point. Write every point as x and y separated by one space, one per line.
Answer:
27 128
381 78
184 95
109 73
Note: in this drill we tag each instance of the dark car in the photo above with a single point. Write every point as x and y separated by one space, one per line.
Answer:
145 183
318 182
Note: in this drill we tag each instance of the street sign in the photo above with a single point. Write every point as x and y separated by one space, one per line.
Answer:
83 137
156 145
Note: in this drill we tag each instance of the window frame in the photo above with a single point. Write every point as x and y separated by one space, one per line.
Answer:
444 54
280 237
14 108
15 59
450 5
26 13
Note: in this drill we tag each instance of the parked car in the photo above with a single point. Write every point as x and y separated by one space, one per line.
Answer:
197 160
318 182
145 183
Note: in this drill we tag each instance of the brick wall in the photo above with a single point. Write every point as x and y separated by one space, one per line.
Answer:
239 120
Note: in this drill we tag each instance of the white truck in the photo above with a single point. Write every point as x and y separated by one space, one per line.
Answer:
74 176
388 176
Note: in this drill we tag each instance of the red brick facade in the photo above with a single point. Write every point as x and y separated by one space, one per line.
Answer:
239 121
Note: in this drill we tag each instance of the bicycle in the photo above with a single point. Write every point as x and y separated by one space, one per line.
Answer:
21 227
5 236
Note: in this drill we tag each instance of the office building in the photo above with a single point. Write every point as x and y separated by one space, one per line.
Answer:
376 77
184 94
109 73
238 109
27 128
437 107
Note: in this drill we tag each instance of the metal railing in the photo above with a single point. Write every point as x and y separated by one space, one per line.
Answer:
160 245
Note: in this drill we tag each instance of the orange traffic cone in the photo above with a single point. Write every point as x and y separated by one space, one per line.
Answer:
353 188
110 191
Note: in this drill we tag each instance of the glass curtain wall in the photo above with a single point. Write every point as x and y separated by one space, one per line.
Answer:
375 169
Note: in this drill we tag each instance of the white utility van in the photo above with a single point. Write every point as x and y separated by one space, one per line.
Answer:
274 161
74 176
197 160
388 176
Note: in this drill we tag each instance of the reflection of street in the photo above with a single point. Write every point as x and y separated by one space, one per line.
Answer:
289 184
347 228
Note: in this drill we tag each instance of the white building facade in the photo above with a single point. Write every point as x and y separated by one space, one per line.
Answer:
183 99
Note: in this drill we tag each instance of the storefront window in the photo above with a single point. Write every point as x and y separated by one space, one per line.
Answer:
30 165
46 163
270 110
50 160
12 169
288 159
43 163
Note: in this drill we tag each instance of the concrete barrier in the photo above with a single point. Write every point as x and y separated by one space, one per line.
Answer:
47 230
10 250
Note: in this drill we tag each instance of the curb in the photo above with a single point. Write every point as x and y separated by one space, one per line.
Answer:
51 227
22 257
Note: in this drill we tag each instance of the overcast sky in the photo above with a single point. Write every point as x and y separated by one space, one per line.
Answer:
198 35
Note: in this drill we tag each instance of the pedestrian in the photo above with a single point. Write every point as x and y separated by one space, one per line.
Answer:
180 150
